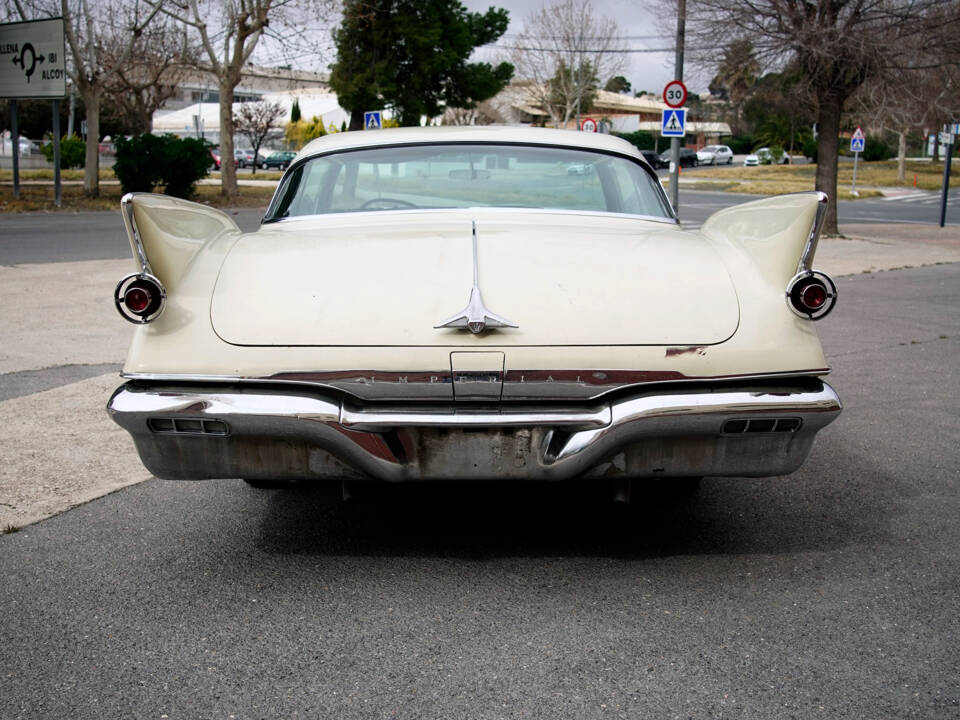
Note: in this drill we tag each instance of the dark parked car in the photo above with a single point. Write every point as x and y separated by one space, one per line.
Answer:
655 161
280 159
688 158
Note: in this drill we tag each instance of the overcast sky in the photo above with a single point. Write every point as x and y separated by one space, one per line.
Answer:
645 70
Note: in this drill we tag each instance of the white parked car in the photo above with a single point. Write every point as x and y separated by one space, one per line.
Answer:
452 303
715 155
764 156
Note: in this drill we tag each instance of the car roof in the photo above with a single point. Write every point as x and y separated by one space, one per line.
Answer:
469 133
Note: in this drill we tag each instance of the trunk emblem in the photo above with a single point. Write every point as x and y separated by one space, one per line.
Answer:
475 317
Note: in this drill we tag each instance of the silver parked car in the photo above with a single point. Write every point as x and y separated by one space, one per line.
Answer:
715 155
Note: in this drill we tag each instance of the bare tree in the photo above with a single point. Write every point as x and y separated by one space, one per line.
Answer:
255 120
158 63
483 114
921 95
837 45
563 49
100 39
229 31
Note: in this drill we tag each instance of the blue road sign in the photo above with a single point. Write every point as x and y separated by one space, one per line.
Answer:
674 121
372 121
857 140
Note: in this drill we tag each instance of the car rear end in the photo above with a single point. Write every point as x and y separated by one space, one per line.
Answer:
609 344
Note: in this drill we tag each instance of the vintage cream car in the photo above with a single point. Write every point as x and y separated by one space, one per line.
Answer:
454 303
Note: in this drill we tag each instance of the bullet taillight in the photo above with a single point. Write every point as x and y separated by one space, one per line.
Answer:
140 298
811 294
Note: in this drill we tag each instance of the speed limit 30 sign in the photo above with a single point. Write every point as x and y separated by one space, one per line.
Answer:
675 94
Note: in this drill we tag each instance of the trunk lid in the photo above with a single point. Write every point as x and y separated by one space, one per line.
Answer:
385 279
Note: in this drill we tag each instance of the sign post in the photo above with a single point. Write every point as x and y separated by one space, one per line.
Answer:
589 125
857 142
946 139
32 66
673 125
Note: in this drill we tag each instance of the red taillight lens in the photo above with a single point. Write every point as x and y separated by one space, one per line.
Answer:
813 296
140 298
137 299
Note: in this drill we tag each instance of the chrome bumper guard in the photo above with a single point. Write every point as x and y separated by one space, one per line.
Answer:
193 433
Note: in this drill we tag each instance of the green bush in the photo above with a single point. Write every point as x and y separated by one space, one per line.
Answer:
73 152
139 162
186 161
641 139
742 145
147 161
810 146
876 149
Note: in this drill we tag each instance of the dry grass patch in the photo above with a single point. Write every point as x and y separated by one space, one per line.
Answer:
6 175
35 198
929 176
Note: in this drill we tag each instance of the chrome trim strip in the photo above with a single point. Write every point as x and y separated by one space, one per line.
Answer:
379 419
806 259
130 222
436 386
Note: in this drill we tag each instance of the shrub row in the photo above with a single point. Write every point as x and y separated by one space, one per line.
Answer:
145 162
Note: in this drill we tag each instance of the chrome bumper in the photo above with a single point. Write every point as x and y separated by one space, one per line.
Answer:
194 433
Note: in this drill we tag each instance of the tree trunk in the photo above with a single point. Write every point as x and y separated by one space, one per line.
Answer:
828 122
901 155
228 173
356 120
91 169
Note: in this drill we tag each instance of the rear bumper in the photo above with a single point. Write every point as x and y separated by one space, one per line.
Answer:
198 432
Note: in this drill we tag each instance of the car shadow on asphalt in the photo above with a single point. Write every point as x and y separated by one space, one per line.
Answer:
814 509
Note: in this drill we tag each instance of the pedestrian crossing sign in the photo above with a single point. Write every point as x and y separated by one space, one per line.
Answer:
371 120
674 122
857 141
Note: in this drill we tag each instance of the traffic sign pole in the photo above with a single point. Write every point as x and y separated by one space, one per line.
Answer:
678 74
857 144
56 153
856 157
948 152
15 137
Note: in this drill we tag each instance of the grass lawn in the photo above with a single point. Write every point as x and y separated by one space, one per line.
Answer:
40 198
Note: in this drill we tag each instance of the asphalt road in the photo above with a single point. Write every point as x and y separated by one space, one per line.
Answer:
61 237
830 593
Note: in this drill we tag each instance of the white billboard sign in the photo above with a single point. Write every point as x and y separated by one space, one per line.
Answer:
32 62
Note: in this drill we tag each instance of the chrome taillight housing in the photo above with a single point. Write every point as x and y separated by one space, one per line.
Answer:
811 294
140 298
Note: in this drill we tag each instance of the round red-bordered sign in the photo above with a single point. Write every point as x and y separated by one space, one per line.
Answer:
589 125
675 94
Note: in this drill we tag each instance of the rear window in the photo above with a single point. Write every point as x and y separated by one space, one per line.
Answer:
468 175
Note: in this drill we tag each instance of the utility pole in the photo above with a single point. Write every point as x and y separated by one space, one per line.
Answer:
675 142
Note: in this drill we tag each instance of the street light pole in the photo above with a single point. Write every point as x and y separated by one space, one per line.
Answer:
675 141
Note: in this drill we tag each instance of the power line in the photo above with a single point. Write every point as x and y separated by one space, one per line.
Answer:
586 50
